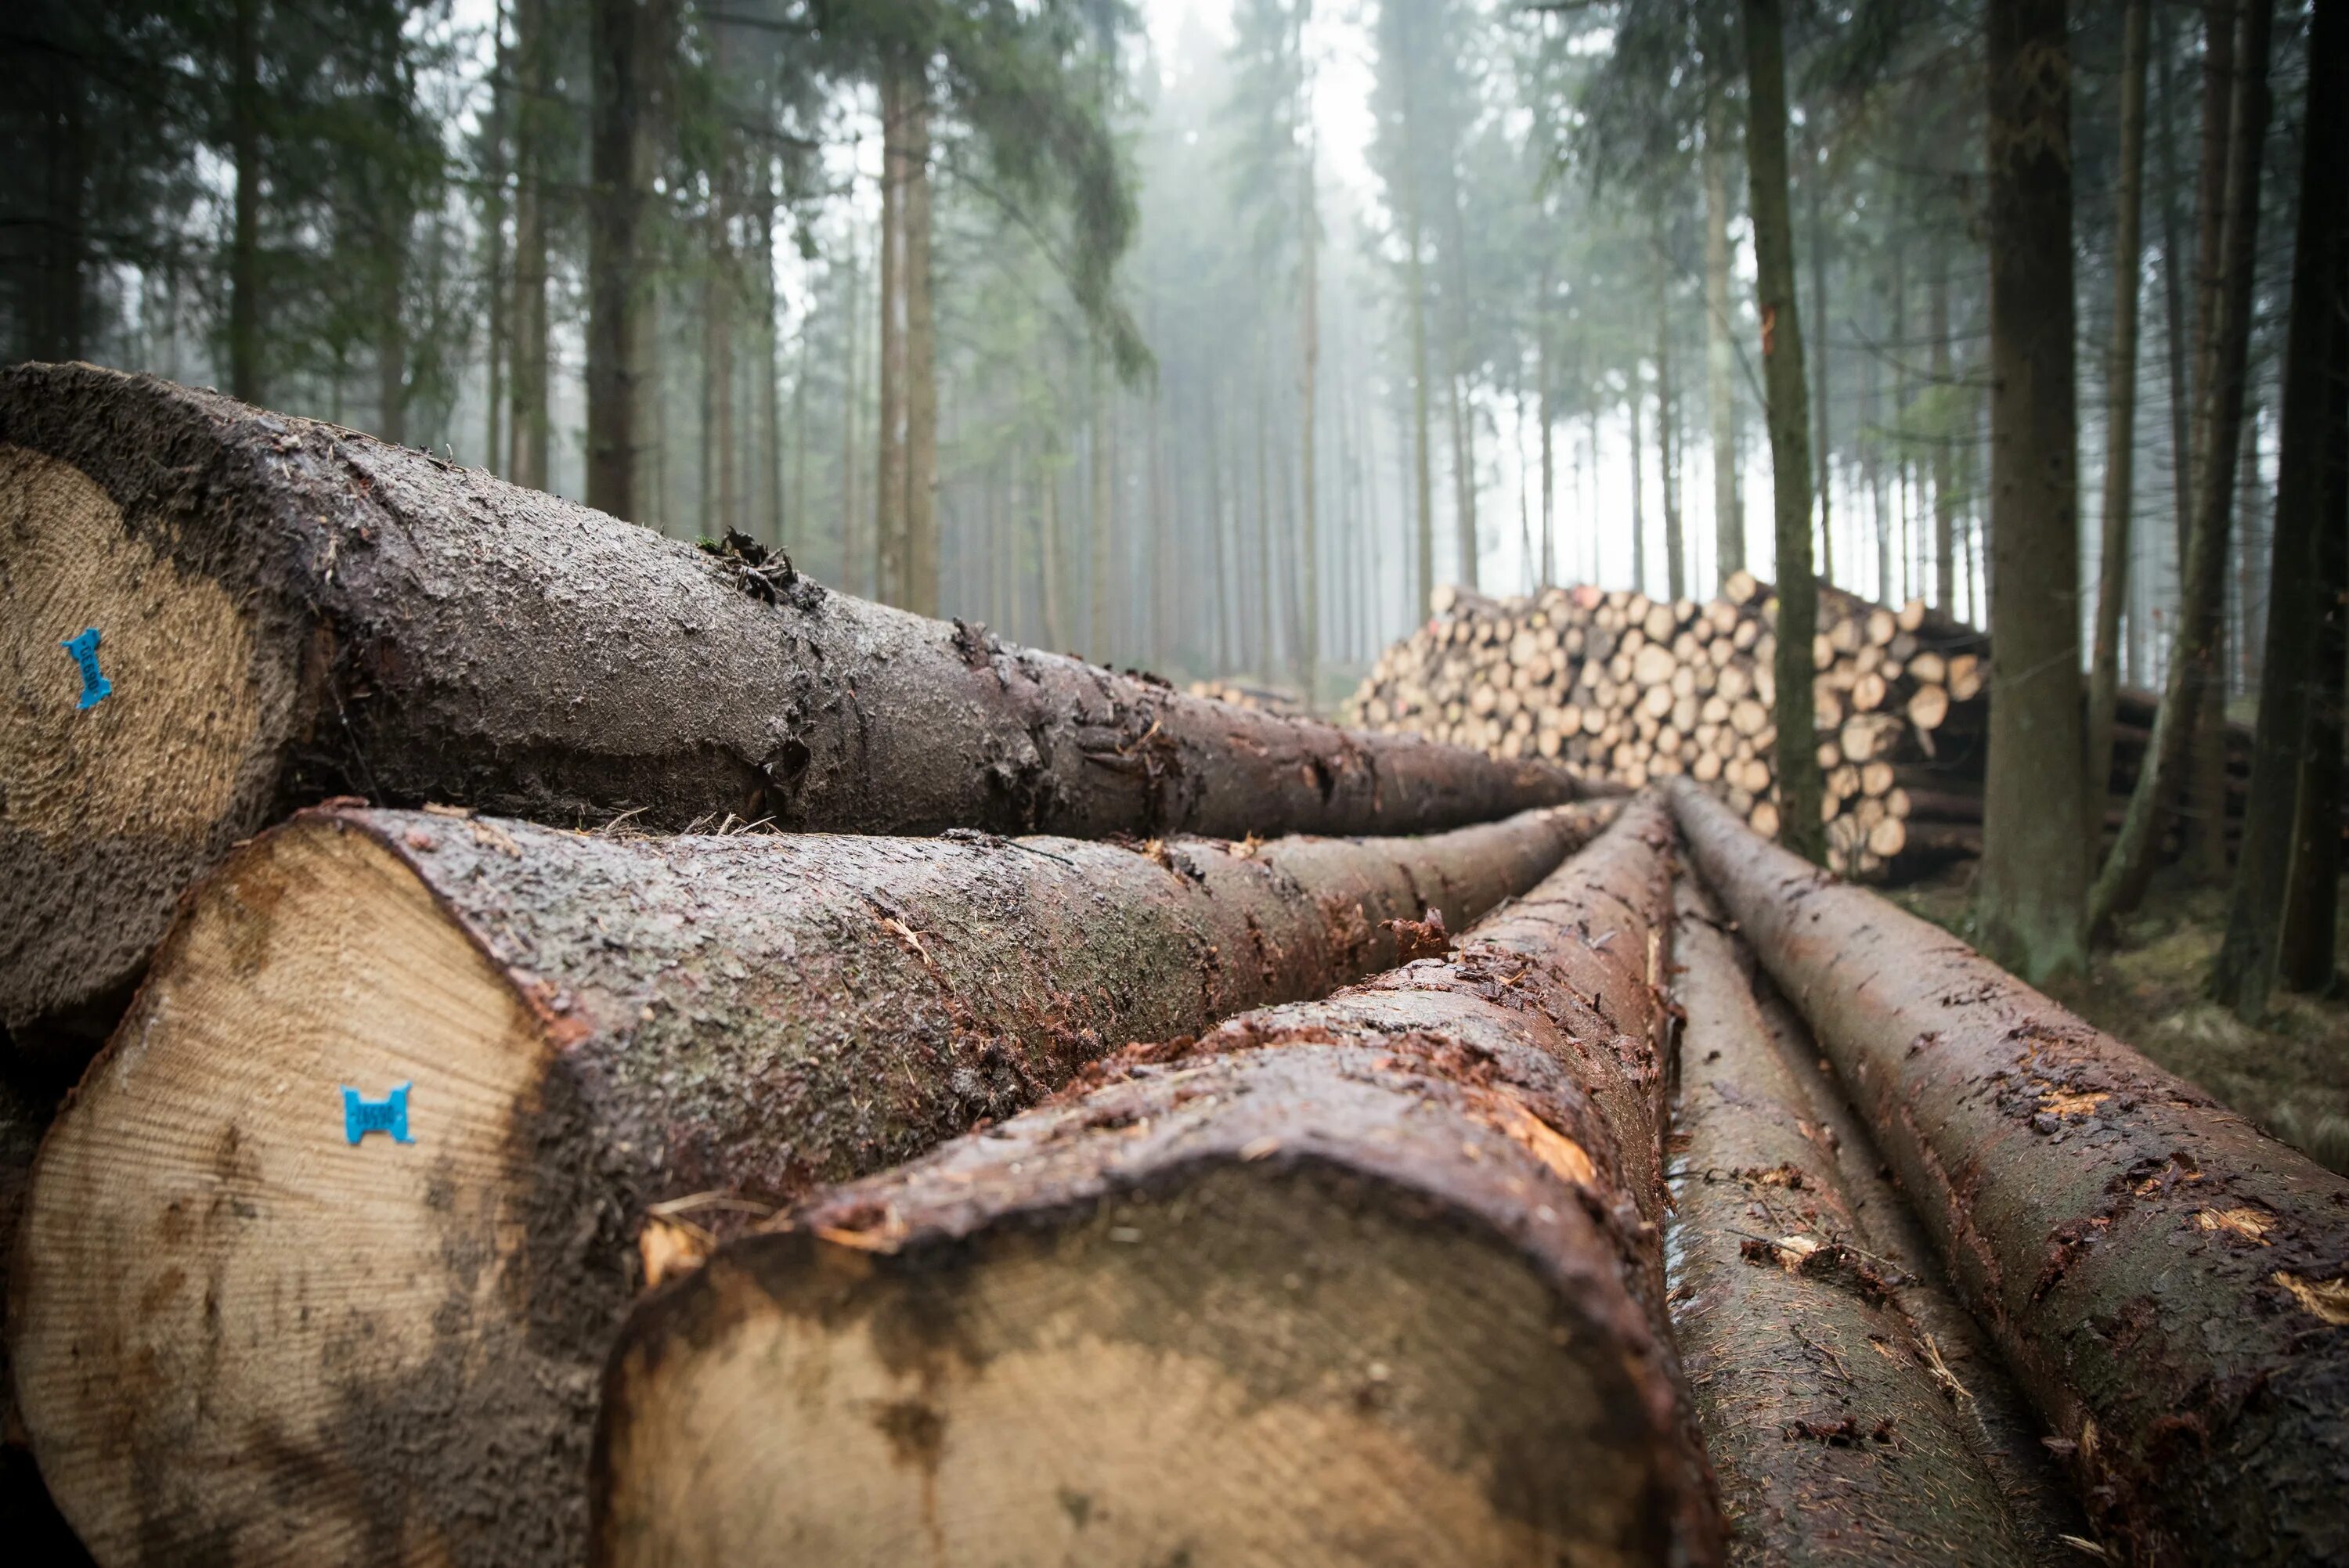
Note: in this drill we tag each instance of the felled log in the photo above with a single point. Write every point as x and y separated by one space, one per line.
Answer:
282 610
1369 1281
1836 1429
321 1262
2170 1288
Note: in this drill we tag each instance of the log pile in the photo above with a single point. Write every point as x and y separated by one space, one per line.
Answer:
1259 699
712 1140
1618 686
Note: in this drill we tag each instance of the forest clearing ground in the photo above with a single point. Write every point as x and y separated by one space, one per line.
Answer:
2291 1076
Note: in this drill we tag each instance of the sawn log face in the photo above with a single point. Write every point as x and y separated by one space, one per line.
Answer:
290 611
1374 1280
237 1326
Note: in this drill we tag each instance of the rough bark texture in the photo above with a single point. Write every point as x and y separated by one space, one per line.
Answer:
2308 507
2033 885
2168 1286
289 611
1838 1428
1294 1190
1796 763
617 1048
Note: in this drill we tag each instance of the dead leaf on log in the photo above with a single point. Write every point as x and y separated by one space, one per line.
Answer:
2326 1299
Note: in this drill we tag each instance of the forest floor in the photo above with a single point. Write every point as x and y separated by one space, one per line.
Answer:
2290 1075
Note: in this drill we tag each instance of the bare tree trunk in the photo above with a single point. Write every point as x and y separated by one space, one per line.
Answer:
1669 441
2035 844
630 43
770 389
1787 392
1720 353
245 369
2193 675
852 562
1639 498
496 131
1549 443
2120 410
1308 641
528 426
1824 458
919 390
2288 874
889 520
1945 587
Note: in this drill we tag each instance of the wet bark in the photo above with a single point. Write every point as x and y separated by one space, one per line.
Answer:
1508 1098
2304 584
2168 1286
418 631
2033 885
708 1027
1834 1420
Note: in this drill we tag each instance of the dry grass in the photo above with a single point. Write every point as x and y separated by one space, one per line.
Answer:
2290 1074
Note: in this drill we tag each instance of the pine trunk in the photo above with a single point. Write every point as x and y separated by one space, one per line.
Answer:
244 371
528 426
1371 1281
1720 353
2165 1283
1796 766
2194 678
628 44
2120 407
2032 881
604 1050
290 611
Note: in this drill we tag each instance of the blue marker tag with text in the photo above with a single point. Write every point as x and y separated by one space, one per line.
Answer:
362 1116
94 684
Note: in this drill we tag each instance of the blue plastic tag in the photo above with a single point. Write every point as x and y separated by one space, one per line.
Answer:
94 684
362 1116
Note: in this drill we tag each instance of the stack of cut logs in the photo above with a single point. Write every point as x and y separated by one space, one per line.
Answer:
1262 699
525 1174
1617 684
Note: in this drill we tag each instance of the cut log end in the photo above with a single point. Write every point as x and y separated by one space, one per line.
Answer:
120 755
219 1214
1266 1362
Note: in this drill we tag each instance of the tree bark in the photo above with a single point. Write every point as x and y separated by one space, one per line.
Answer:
244 367
2120 407
1945 506
1422 476
2033 880
290 611
1797 766
2193 677
1720 354
921 388
528 428
889 521
1824 458
1816 1390
617 1048
2161 1278
1308 641
630 42
1417 1222
2290 752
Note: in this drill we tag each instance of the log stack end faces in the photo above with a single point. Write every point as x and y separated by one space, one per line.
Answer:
287 611
1830 1415
320 1262
2170 1288
1374 1280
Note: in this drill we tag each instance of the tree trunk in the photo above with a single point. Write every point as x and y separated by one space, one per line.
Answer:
615 1047
1422 475
1639 489
345 616
1796 763
2074 1186
2033 875
2285 819
1308 641
1945 549
497 332
2120 409
244 372
889 538
852 562
770 382
528 426
1668 427
920 391
1816 1390
1824 459
2193 675
1422 1227
1720 354
629 43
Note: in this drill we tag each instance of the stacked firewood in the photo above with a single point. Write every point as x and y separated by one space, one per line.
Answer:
517 1173
1619 686
1259 699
